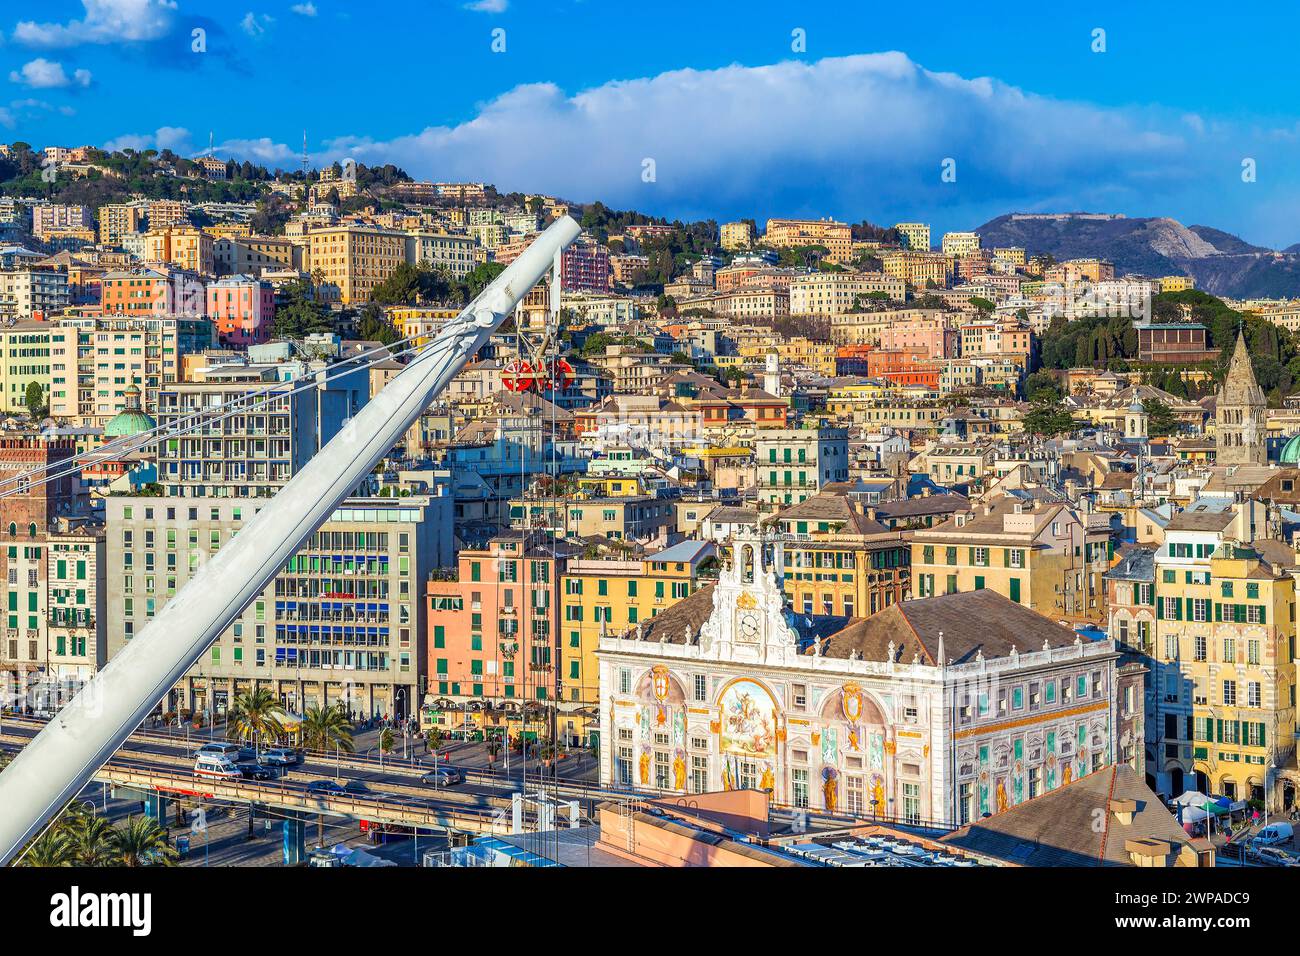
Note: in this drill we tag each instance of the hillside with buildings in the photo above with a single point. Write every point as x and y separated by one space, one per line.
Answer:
1218 261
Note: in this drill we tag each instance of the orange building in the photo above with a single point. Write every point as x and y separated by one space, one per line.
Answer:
493 634
909 366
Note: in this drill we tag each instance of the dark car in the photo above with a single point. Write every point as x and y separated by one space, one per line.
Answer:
326 788
444 776
356 788
255 771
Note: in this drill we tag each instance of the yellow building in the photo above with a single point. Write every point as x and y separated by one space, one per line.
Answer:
598 597
915 235
419 323
838 561
24 358
183 246
918 268
818 356
355 259
837 237
1176 283
117 220
737 235
1223 654
961 243
1049 558
838 293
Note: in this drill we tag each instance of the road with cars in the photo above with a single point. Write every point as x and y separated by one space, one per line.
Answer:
396 781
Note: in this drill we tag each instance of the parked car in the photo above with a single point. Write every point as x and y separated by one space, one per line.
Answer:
325 788
1272 856
281 757
444 776
255 771
356 788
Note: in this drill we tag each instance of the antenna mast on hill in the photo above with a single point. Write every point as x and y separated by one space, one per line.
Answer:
305 162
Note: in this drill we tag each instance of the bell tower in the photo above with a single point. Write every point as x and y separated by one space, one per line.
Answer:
749 617
1240 413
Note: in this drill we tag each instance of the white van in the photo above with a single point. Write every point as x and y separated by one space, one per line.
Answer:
220 749
1274 834
215 765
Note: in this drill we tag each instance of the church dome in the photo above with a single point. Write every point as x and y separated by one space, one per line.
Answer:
131 420
1290 451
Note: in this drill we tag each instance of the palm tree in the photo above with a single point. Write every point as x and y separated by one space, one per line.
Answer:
90 839
52 849
141 842
327 728
256 713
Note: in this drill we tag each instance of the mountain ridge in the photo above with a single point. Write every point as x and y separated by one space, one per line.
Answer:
1220 263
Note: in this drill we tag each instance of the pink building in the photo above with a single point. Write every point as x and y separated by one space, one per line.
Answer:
242 308
933 338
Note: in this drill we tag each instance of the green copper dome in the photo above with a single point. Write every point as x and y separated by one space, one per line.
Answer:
1290 451
131 420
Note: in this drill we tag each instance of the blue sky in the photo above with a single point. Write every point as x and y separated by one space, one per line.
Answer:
857 124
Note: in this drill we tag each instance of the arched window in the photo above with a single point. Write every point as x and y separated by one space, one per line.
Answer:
747 564
13 529
31 530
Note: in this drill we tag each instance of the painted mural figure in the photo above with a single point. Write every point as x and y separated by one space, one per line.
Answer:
1002 795
766 783
645 767
679 771
748 719
876 752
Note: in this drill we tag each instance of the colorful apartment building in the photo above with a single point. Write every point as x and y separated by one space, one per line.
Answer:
493 636
242 308
355 258
1046 557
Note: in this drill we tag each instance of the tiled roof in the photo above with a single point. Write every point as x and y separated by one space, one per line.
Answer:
971 622
1059 828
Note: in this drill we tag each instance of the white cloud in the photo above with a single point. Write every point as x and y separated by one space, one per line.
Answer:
175 138
844 135
488 6
106 21
43 74
304 9
858 136
262 150
256 24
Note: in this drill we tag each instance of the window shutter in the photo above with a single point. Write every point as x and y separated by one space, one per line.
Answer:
1263 614
1263 741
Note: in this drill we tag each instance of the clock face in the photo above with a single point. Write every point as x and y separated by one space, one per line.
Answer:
749 627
